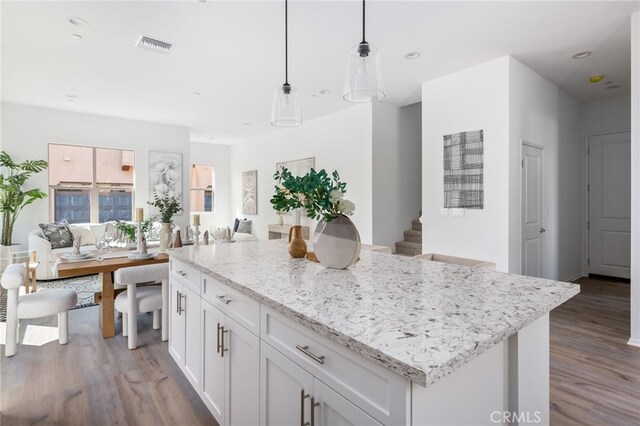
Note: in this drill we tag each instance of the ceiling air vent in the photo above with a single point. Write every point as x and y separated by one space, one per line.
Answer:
154 45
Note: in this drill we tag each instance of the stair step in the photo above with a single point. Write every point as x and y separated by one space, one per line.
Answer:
408 248
416 225
413 236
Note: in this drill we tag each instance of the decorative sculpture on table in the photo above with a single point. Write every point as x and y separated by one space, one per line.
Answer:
205 237
77 242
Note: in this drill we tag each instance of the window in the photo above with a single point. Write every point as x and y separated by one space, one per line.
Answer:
201 182
90 184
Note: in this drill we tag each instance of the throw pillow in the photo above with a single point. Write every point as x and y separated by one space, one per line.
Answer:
236 223
59 235
244 227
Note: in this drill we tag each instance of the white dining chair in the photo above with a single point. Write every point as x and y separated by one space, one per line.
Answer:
136 300
33 305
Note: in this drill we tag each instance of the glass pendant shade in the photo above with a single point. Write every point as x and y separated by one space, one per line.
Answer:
364 80
286 107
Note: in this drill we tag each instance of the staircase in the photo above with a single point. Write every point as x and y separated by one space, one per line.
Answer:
412 243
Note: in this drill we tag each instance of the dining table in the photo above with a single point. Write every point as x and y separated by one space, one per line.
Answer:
105 269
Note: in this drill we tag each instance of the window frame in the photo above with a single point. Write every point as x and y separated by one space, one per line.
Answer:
94 188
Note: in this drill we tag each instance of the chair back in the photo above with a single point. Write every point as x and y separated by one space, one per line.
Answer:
142 274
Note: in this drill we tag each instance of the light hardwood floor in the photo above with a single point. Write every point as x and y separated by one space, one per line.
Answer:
95 381
595 375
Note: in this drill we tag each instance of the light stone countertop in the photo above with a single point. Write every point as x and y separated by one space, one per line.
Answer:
420 319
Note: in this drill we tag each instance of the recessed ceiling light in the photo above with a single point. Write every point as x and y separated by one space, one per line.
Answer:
617 86
582 55
412 55
74 20
71 95
314 96
596 78
196 93
76 36
211 137
325 91
71 100
247 124
608 82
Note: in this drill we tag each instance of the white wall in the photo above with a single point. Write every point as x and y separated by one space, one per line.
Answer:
27 131
473 99
339 141
397 146
605 115
542 114
635 179
218 156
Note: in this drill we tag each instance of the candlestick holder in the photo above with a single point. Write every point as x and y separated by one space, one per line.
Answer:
196 234
139 238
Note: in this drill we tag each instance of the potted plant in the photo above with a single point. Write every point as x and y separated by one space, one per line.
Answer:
129 229
168 205
12 196
336 241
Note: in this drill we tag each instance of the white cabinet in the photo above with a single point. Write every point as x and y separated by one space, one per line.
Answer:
184 329
231 365
291 395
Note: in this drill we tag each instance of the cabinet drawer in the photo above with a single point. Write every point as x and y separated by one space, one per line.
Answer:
377 391
236 305
186 274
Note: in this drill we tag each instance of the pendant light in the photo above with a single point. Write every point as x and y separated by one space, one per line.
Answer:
286 105
364 81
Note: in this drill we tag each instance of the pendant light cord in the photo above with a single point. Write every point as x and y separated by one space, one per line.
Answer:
363 5
286 43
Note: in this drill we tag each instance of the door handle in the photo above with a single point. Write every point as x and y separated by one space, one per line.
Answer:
221 348
218 340
314 404
542 230
303 396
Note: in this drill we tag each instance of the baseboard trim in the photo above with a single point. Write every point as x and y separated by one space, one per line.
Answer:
576 277
634 342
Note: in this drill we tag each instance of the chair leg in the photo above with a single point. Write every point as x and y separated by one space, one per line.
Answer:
11 335
125 325
63 327
156 320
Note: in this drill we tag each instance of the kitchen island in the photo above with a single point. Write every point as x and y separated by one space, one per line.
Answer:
268 339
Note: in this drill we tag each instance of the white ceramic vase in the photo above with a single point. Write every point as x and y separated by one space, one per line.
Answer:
336 243
166 233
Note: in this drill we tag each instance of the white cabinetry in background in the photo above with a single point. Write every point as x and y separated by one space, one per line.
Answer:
184 323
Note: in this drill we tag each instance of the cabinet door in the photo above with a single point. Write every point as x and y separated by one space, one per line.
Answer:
283 386
213 375
242 362
176 323
334 410
192 337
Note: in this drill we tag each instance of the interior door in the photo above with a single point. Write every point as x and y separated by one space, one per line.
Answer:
532 229
609 223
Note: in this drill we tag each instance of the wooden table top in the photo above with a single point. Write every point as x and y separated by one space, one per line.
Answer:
67 269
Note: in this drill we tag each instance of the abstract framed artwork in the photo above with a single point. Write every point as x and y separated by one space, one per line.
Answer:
250 192
165 175
464 170
298 167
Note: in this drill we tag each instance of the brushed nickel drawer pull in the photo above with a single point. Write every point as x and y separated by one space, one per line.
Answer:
222 349
218 340
224 300
314 404
178 299
305 350
181 273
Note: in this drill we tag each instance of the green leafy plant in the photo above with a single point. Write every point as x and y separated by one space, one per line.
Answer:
129 229
318 193
168 206
12 197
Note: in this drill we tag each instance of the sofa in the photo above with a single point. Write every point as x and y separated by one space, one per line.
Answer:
48 256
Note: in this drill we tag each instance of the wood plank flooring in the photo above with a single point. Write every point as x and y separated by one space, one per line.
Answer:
595 375
96 381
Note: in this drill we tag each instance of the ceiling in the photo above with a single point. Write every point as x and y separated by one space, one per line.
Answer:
231 54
